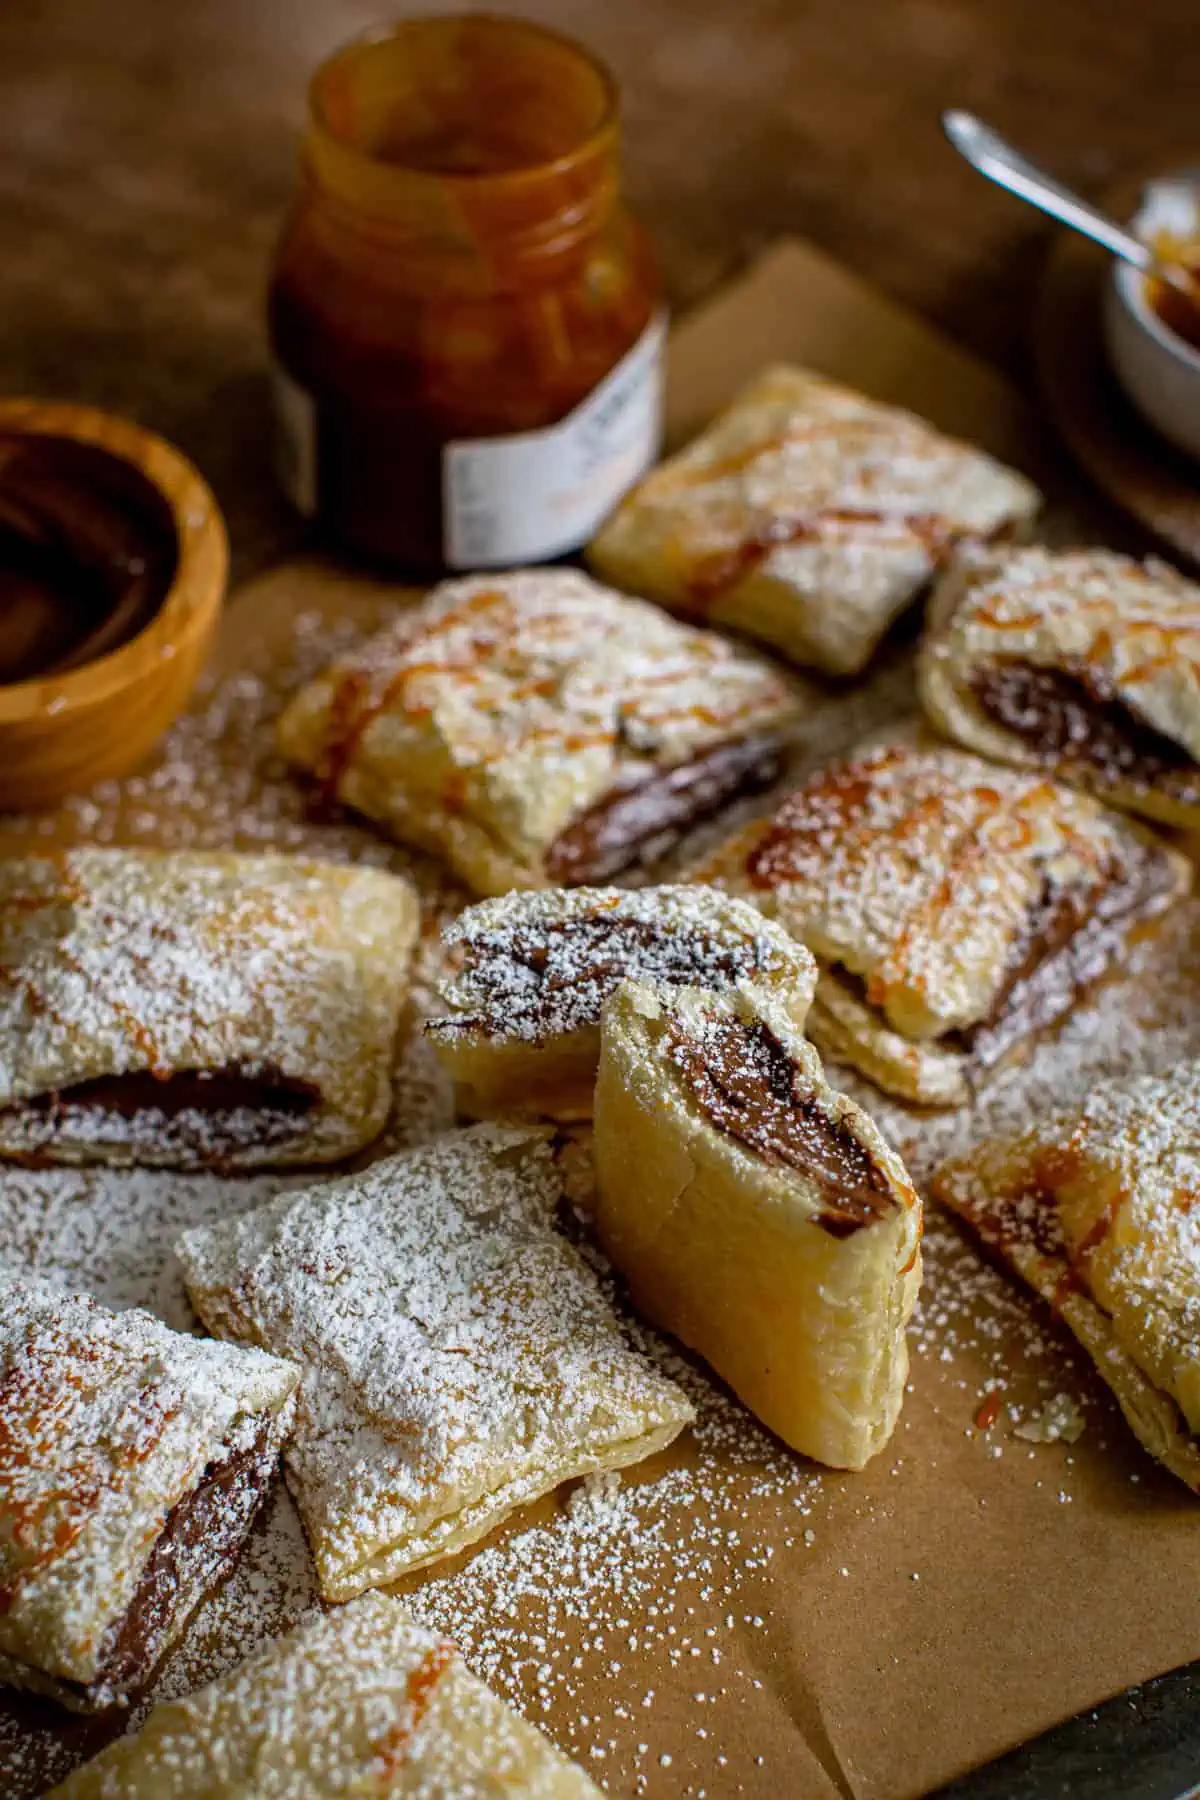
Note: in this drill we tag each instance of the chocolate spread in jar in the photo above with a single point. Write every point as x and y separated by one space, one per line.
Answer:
619 828
88 551
744 1080
1075 712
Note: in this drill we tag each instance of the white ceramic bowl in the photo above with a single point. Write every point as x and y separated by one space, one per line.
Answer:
1157 369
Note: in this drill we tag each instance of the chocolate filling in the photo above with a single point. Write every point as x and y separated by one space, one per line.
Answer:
214 1091
629 821
1075 713
744 1080
209 1110
1070 940
192 1554
560 981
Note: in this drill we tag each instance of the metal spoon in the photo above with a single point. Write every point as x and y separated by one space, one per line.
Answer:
986 151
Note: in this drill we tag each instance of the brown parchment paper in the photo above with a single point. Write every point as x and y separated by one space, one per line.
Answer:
756 1627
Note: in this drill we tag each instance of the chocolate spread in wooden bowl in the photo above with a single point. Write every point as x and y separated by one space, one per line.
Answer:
88 552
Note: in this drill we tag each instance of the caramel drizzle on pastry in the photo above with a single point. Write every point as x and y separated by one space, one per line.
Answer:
717 574
71 893
963 825
32 1398
279 1092
366 691
419 1692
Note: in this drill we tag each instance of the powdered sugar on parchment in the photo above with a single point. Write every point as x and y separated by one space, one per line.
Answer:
674 1564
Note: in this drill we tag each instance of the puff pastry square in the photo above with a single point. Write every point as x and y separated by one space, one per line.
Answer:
197 1009
362 1701
459 1357
1096 1207
538 729
807 516
955 908
1083 663
757 1214
521 1034
132 1461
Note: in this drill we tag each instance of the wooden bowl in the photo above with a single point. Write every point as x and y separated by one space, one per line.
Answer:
62 732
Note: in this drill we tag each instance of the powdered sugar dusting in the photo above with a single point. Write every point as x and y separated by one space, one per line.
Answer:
636 1627
537 966
459 1357
926 871
335 1707
267 970
110 1419
493 713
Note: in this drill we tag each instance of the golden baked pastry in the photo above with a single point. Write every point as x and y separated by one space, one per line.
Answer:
954 908
132 1461
537 729
522 1031
757 1214
197 1009
1080 662
362 1701
459 1356
808 516
1095 1206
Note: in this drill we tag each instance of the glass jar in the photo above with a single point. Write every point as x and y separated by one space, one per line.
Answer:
466 321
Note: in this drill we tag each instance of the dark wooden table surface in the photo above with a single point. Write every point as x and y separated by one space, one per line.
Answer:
147 150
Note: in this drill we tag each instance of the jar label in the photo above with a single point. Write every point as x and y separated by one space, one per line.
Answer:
538 494
295 441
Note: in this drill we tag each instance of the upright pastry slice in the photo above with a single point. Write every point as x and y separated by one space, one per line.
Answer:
459 1357
756 1214
522 1033
1083 663
954 908
807 516
538 729
1095 1207
362 1701
200 1009
132 1461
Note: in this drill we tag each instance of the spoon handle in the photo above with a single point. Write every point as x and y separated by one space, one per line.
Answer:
986 151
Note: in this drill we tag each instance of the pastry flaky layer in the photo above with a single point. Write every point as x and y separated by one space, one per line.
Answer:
955 908
1097 1207
1082 662
521 1033
363 1701
757 1214
537 728
199 1009
459 1356
132 1461
807 516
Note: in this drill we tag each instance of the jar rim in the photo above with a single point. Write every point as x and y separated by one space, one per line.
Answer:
593 140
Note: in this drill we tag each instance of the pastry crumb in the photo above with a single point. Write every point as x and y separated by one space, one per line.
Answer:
1059 1420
